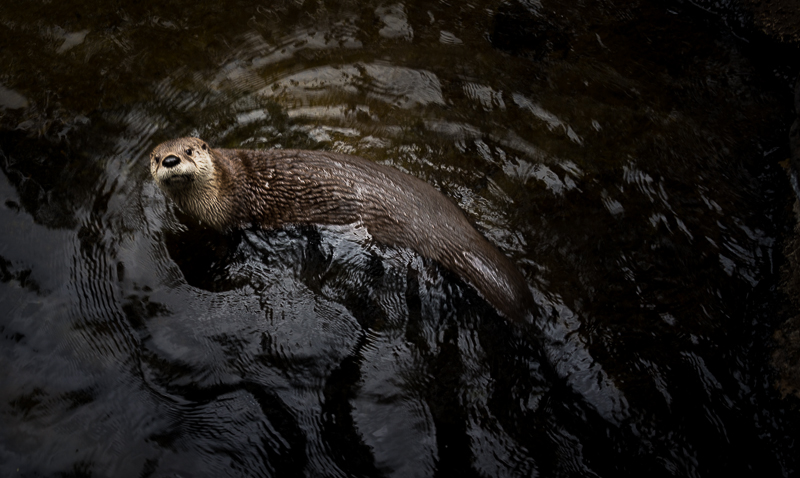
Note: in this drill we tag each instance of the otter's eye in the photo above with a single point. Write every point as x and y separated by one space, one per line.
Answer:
188 151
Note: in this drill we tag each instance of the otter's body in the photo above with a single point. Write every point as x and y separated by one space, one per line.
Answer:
236 188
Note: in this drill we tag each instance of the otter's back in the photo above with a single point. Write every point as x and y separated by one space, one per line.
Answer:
312 187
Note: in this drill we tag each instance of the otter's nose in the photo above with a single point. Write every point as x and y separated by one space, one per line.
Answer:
171 161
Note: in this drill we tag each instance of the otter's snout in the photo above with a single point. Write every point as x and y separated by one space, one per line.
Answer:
171 161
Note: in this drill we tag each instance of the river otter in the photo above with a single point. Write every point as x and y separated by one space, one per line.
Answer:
231 188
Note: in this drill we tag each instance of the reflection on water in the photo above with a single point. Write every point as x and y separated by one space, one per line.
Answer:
624 158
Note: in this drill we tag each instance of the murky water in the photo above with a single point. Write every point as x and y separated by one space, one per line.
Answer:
625 157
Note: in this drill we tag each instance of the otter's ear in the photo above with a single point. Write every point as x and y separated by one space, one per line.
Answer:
204 146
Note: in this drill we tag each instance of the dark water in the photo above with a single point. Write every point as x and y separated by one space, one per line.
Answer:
624 156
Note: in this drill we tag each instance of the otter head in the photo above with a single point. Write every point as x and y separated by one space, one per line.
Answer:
181 164
184 169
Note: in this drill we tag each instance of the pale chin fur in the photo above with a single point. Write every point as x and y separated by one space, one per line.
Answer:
196 194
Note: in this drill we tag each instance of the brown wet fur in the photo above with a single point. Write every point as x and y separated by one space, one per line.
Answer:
232 188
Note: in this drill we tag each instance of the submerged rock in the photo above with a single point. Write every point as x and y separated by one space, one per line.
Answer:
777 18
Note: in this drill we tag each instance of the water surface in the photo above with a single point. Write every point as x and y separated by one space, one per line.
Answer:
624 157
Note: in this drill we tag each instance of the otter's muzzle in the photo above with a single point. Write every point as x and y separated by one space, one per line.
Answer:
171 161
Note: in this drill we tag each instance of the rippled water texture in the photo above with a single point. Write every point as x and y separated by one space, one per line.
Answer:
624 156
